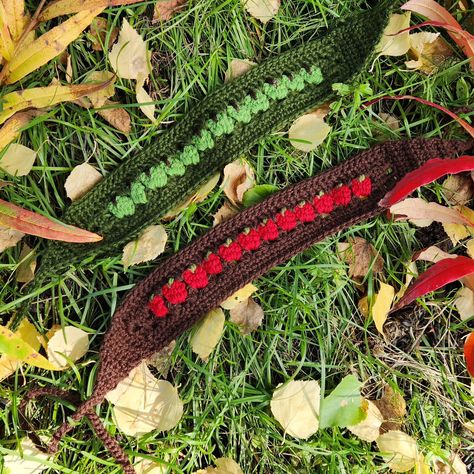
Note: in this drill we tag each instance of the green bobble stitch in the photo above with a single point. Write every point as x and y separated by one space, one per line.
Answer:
269 91
189 156
138 194
232 113
262 100
214 128
244 114
315 77
297 84
158 178
226 123
281 90
123 206
204 141
175 168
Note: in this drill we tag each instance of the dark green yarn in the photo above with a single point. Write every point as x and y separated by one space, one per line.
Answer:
340 55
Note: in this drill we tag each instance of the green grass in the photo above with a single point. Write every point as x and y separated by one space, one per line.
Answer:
312 328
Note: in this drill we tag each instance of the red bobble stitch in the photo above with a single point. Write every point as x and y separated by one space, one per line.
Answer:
212 264
324 204
250 241
268 231
158 307
231 252
361 187
286 220
197 278
341 195
175 293
305 213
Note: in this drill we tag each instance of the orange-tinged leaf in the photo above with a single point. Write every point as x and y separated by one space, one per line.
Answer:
165 9
39 97
31 223
13 126
48 46
65 7
469 353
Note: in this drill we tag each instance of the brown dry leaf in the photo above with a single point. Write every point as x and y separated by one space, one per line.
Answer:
399 450
361 257
421 212
208 333
9 237
248 315
224 213
263 10
148 246
67 345
369 428
458 232
98 33
98 98
464 303
392 122
433 254
458 189
308 131
161 360
428 51
381 307
25 271
166 9
118 117
239 296
12 127
223 466
392 44
31 462
81 180
238 67
363 306
143 403
17 159
393 408
238 178
295 406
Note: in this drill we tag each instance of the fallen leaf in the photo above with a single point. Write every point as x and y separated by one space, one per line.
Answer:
470 247
145 466
146 103
458 189
361 257
161 360
393 408
382 304
238 178
369 428
208 333
452 465
428 50
129 55
468 350
148 246
98 98
432 254
239 296
224 466
29 462
399 450
25 271
238 67
417 210
98 30
391 43
118 117
263 10
66 346
9 237
391 121
458 232
248 315
411 273
143 403
363 306
13 126
308 132
16 19
47 46
166 9
421 466
18 159
81 180
224 213
464 303
295 406
258 194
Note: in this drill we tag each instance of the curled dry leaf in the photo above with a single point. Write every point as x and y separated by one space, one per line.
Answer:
238 177
308 131
382 305
166 9
25 271
9 237
239 296
295 406
224 213
458 189
118 117
29 462
81 180
263 10
391 43
148 246
464 303
67 345
248 315
143 403
13 126
399 450
238 67
428 51
98 33
393 408
223 466
458 232
17 159
369 428
208 333
98 98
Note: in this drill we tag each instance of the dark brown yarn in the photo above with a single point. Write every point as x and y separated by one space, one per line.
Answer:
136 333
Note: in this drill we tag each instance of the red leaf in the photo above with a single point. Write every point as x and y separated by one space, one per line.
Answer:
440 274
469 353
31 223
463 123
427 173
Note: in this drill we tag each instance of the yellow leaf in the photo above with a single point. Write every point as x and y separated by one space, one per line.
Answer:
223 466
381 307
421 466
464 303
241 295
39 97
263 10
67 345
148 246
13 126
99 97
25 271
399 450
6 42
16 18
81 180
369 428
48 46
29 462
145 466
391 43
458 232
17 159
470 248
208 333
308 131
146 103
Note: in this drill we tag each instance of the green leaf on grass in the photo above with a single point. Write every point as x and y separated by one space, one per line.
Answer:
258 193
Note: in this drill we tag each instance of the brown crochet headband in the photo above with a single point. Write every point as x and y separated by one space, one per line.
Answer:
195 280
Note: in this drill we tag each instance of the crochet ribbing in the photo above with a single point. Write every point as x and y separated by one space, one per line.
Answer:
195 280
217 131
